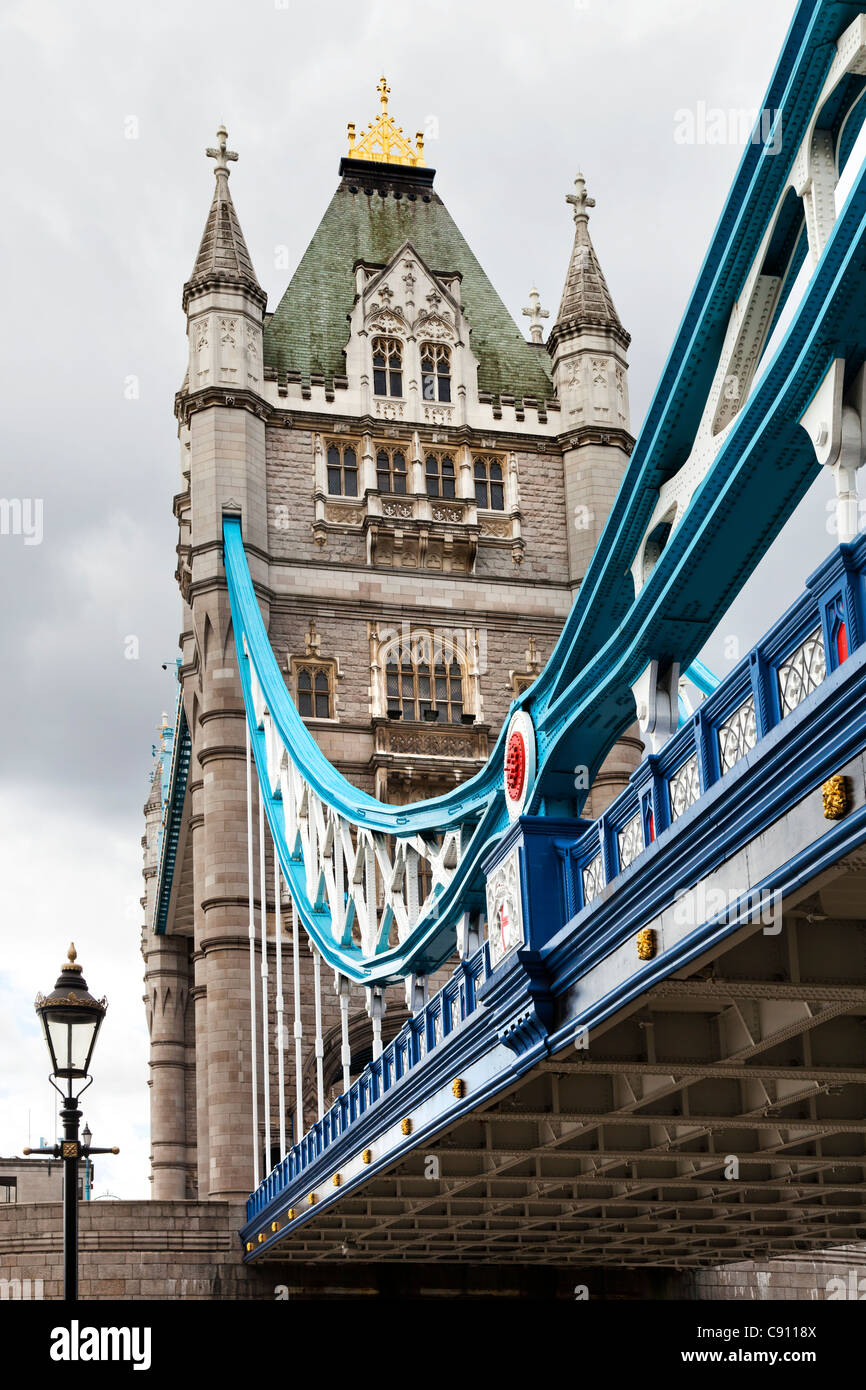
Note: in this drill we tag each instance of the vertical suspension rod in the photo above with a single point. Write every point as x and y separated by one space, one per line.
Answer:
266 1069
252 937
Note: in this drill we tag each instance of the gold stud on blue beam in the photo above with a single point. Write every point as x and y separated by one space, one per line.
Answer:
249 1246
336 1180
367 1156
646 943
834 794
406 1126
291 1213
458 1087
311 1200
261 1237
275 1226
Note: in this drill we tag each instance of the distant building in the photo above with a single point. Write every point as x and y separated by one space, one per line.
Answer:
35 1180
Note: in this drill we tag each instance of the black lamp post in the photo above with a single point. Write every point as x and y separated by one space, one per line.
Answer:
71 1019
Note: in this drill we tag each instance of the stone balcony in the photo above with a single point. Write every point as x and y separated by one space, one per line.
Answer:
417 759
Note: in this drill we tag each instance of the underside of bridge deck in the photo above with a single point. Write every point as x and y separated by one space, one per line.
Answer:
720 1119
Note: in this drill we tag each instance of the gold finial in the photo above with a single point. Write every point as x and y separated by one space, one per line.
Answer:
71 958
383 142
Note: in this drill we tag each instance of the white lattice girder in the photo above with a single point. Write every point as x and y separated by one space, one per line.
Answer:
370 883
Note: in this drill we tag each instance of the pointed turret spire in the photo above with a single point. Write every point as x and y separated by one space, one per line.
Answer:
223 258
586 298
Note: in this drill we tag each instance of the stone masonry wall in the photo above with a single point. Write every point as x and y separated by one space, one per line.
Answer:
191 1250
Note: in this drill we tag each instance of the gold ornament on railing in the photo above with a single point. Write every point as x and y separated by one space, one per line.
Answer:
835 797
646 943
383 142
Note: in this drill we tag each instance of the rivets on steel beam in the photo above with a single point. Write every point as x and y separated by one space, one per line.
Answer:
261 1237
275 1226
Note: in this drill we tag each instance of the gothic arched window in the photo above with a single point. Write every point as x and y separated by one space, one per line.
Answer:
489 486
314 689
391 471
440 475
342 470
424 681
435 372
387 367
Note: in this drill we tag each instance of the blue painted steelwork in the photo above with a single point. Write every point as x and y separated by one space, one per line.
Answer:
565 938
583 700
174 793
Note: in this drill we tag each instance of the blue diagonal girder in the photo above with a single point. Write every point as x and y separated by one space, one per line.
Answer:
582 701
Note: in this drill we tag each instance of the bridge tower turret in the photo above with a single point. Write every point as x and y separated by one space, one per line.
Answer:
221 426
588 347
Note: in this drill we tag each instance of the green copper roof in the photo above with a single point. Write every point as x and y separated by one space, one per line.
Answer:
309 329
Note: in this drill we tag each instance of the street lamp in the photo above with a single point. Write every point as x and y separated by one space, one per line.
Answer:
71 1019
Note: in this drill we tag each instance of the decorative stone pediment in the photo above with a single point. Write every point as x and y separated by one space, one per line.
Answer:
407 297
383 319
435 326
408 302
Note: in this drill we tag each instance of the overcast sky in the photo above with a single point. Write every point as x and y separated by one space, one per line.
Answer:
107 108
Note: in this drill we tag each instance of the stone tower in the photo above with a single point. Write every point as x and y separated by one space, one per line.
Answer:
420 490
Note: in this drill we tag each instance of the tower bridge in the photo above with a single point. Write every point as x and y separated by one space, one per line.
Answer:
659 1061
493 945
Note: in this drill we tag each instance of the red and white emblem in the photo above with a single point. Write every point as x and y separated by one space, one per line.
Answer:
519 770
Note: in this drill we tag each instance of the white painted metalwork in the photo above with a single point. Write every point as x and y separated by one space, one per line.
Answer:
369 882
343 987
280 1005
737 734
593 879
684 787
630 841
252 939
263 913
376 1010
802 672
319 1043
298 1030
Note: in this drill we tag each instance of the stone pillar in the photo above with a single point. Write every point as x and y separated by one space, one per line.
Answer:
223 908
168 991
195 790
